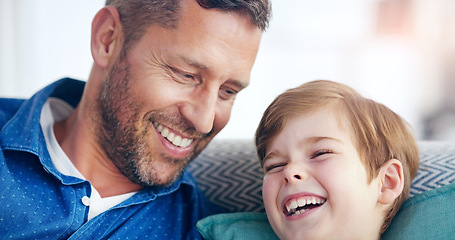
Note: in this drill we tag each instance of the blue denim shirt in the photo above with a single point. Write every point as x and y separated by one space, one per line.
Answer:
38 202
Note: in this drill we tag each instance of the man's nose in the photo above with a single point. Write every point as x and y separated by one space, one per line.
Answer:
201 110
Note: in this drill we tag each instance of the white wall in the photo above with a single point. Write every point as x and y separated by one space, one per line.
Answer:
44 40
335 40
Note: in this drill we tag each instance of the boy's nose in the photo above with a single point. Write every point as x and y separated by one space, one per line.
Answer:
293 173
295 177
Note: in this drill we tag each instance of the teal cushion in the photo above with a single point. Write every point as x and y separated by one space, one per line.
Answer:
429 215
238 226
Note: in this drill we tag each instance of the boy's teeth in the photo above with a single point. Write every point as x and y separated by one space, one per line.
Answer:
298 212
293 205
171 137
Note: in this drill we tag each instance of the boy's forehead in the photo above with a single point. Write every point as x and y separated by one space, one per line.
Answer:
325 122
333 114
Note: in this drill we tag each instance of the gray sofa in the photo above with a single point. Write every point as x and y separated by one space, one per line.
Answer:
229 174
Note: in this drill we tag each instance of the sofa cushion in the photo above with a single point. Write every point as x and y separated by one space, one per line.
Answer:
229 173
428 215
236 226
437 166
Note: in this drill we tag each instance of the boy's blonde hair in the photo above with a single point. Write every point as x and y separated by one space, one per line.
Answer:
379 134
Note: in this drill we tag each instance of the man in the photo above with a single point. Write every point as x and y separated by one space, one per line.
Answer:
107 160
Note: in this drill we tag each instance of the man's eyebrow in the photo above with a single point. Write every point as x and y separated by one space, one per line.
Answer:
191 62
239 84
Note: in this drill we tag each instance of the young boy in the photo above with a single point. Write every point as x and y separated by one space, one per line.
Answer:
336 165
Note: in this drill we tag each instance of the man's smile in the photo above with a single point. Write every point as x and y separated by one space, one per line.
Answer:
172 136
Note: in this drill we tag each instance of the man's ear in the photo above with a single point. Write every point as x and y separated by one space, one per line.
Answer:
392 181
106 35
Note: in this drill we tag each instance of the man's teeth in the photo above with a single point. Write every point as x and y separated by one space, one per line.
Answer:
292 206
171 137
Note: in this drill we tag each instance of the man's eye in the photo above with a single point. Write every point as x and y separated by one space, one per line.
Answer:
181 75
227 93
187 75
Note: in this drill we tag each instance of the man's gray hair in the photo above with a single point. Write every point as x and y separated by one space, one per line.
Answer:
137 15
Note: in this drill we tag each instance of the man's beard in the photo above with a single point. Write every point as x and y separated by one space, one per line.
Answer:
124 142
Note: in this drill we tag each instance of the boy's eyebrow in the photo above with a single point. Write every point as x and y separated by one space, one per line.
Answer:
270 155
316 139
301 143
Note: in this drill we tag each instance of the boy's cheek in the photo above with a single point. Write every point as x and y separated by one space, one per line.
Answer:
270 192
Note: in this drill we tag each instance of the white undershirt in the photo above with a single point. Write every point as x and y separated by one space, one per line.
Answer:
55 110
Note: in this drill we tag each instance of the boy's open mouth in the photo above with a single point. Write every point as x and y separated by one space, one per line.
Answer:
297 206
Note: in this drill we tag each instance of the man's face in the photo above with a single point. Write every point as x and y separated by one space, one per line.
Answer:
173 92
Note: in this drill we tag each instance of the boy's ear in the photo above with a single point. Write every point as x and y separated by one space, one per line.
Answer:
106 34
392 181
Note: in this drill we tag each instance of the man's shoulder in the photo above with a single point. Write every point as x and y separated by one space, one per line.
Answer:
8 107
67 89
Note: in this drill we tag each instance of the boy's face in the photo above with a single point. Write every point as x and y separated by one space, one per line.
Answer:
315 186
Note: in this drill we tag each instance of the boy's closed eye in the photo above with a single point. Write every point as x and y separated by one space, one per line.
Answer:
320 153
273 167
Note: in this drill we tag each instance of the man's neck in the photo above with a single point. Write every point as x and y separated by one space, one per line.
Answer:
77 138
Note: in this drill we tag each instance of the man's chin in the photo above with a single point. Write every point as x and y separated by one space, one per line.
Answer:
161 176
165 170
169 179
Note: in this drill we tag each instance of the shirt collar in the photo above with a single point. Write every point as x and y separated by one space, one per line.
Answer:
151 193
23 132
